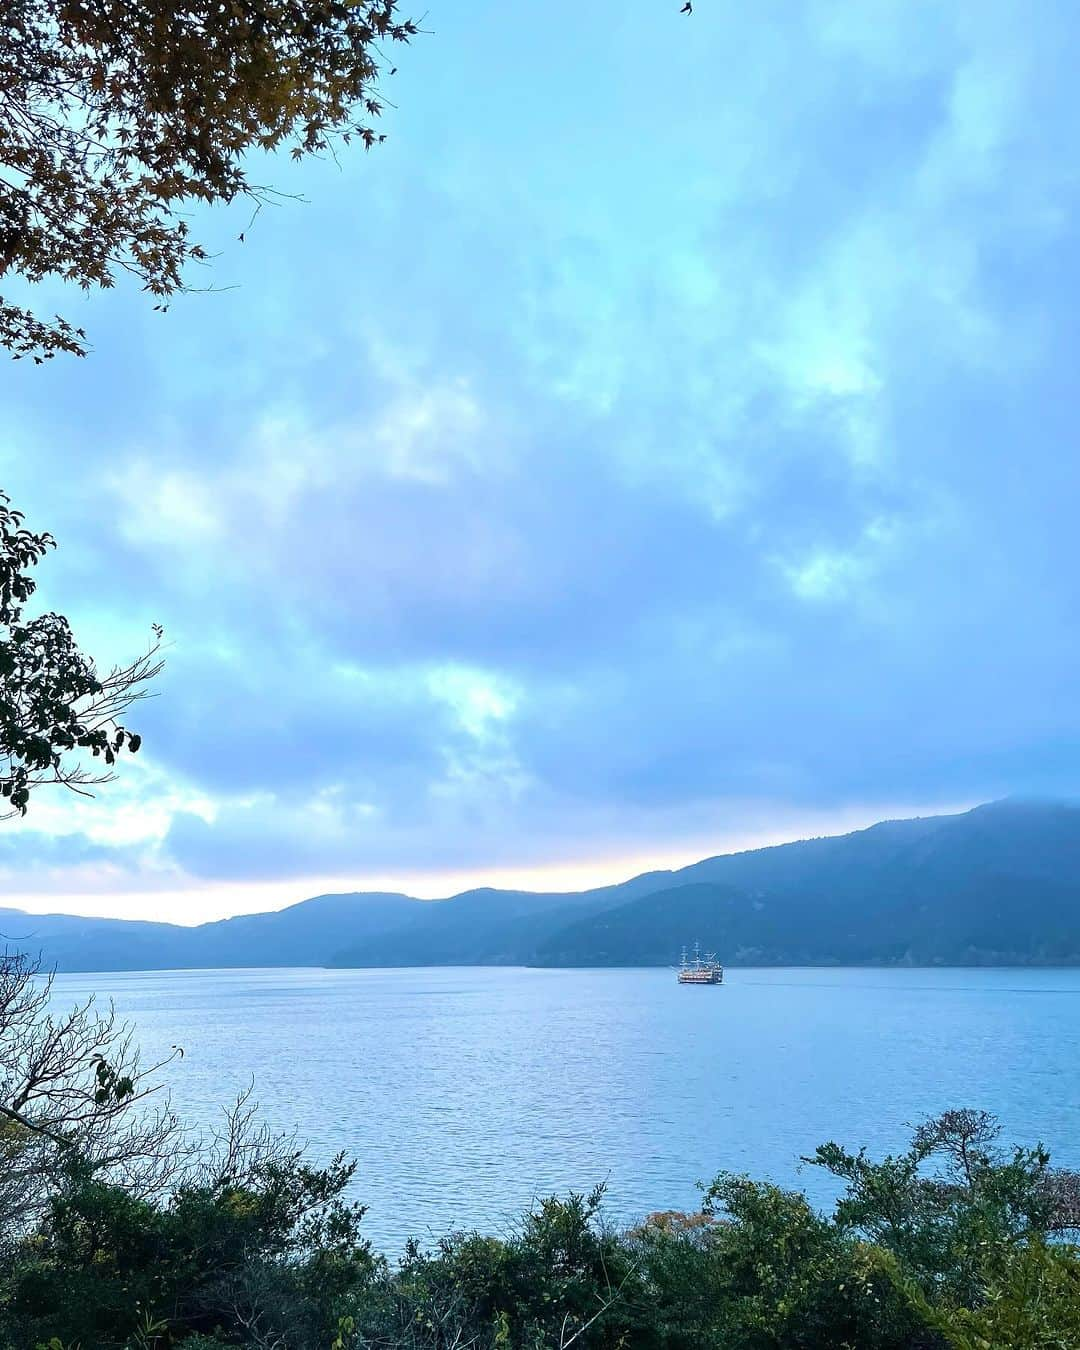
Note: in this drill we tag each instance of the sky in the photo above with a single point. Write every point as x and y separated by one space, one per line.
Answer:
664 443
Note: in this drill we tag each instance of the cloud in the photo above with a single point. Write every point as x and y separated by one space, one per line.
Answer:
579 474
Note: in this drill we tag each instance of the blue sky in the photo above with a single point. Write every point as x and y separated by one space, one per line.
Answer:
664 442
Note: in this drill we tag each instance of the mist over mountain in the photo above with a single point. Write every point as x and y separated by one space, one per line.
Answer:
996 885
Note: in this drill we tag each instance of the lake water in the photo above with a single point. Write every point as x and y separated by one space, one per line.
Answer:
465 1093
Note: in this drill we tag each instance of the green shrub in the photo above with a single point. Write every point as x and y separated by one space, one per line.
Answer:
950 1245
272 1252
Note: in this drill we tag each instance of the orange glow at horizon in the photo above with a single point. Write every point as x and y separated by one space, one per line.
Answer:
197 903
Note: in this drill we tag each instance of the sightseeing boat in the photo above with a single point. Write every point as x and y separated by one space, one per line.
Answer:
698 969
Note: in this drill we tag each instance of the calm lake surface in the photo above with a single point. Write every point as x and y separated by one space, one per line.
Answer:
465 1093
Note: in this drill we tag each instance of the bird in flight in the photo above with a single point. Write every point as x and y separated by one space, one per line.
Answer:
688 8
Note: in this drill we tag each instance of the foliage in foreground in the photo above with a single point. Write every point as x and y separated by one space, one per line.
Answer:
54 703
116 118
952 1243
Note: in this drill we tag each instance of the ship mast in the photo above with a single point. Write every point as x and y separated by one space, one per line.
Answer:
696 968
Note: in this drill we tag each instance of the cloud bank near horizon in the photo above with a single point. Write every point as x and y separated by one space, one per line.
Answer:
604 466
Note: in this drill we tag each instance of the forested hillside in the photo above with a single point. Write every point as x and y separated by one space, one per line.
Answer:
996 885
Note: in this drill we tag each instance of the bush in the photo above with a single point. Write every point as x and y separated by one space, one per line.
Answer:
266 1257
951 1245
1031 1303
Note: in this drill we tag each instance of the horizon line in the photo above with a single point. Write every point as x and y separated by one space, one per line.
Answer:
217 900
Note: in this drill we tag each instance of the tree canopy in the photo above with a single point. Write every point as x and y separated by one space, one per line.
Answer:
115 115
54 704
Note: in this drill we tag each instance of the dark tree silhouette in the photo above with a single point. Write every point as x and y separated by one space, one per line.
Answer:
115 114
56 710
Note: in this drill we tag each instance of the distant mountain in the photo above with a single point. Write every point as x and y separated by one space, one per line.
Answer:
996 885
307 934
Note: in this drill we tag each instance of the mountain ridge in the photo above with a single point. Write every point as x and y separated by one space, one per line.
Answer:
999 884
